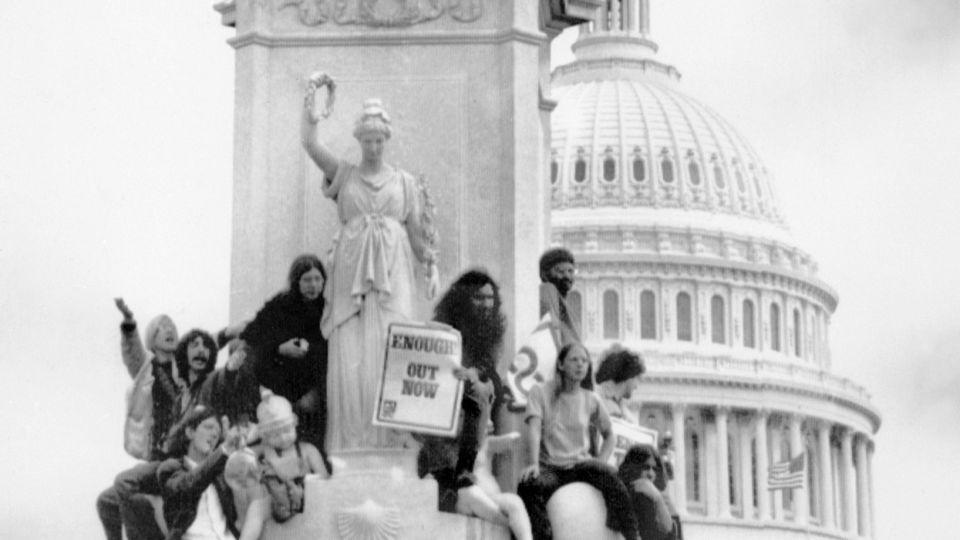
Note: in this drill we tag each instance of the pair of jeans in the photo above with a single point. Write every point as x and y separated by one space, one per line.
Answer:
127 505
537 491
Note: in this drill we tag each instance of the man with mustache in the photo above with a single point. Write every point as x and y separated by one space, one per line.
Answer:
557 271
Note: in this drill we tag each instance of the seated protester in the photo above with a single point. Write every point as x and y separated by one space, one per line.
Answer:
233 389
559 417
642 472
159 397
284 460
618 376
197 504
472 306
282 464
289 352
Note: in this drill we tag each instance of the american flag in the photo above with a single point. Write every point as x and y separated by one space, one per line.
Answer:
788 475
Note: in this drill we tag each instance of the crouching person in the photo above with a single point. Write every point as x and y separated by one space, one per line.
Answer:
197 503
559 417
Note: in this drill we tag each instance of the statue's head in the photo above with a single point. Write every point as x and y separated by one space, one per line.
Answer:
372 129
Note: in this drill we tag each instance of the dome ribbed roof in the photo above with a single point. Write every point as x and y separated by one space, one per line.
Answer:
624 136
630 134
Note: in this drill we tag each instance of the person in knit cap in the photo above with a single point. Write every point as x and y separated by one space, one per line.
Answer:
618 377
284 460
557 271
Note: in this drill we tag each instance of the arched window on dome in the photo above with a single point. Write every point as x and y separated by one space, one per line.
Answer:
648 315
718 328
738 176
684 317
580 167
756 181
749 325
611 315
609 165
717 172
775 327
574 304
693 170
797 334
666 166
639 166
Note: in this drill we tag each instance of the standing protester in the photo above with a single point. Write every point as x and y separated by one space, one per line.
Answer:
289 353
557 271
473 307
151 412
559 417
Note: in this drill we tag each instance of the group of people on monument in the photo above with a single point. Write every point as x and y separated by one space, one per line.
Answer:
225 450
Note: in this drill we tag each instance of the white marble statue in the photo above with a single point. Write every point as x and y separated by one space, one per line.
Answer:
386 227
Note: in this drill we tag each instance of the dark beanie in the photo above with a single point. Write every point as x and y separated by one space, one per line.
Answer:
552 257
619 365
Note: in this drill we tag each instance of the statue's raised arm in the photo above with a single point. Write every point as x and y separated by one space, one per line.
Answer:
310 118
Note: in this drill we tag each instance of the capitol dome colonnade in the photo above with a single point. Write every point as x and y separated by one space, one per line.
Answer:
683 254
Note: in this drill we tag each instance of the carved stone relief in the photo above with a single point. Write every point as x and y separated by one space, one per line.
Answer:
383 13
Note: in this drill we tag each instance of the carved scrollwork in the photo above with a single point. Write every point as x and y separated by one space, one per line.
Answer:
383 13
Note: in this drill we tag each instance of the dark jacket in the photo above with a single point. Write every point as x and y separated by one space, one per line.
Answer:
182 489
283 317
234 393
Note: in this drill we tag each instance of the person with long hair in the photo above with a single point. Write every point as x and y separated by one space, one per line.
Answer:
197 503
472 306
559 417
642 472
386 226
289 353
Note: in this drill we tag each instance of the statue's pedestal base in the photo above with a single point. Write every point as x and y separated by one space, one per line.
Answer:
376 495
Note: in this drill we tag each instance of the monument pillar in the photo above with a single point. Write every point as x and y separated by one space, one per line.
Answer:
467 85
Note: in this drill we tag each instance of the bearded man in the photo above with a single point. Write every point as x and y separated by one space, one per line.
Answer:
557 271
472 306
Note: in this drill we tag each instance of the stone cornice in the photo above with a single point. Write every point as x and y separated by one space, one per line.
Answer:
758 376
389 37
605 65
666 267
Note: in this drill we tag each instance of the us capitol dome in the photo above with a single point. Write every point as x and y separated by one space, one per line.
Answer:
683 254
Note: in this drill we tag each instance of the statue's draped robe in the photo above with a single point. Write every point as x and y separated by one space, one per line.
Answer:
372 283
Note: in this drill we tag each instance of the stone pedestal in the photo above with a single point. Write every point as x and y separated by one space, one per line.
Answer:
376 494
465 84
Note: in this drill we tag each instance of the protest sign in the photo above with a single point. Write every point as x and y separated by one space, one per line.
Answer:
417 389
627 435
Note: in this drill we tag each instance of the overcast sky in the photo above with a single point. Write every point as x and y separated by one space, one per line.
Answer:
116 171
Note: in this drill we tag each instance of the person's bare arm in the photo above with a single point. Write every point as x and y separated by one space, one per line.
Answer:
533 426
